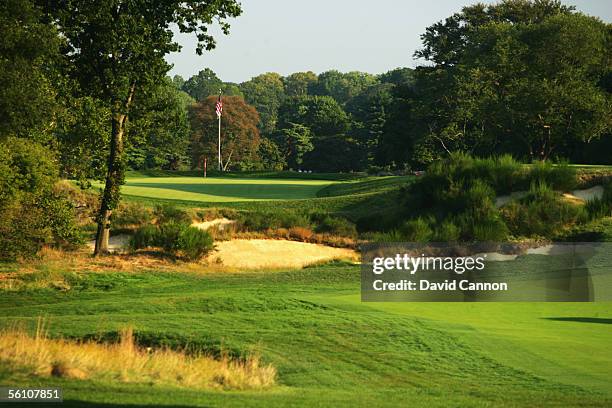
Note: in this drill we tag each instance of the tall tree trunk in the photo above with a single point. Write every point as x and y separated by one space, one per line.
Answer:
114 179
115 174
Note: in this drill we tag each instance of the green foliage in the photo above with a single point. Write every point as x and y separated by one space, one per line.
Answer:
560 176
334 225
175 238
541 213
159 129
270 156
526 78
261 221
341 86
32 214
447 231
416 230
194 243
166 213
601 207
130 215
266 93
296 141
144 237
29 51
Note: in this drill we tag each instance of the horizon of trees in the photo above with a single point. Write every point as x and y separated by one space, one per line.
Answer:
528 78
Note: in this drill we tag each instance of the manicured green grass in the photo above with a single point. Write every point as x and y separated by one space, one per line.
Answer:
221 190
329 348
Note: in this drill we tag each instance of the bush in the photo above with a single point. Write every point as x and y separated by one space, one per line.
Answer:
601 207
130 215
144 237
417 230
32 214
261 221
336 226
168 236
175 238
300 233
559 177
168 213
541 213
194 243
447 232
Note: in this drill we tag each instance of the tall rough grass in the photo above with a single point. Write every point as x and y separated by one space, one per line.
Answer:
126 362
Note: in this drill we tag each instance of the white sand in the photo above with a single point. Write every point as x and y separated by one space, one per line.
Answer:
589 193
116 243
221 223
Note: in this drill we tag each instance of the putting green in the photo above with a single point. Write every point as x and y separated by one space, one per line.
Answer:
217 189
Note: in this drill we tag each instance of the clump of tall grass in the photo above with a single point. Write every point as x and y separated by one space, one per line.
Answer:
601 207
174 238
541 213
124 361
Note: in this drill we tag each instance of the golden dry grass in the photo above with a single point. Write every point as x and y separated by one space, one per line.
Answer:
125 362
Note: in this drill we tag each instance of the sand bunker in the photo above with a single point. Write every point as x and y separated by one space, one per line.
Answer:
576 197
116 243
589 193
269 253
221 223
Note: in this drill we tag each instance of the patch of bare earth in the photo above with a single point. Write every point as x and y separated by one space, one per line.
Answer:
269 253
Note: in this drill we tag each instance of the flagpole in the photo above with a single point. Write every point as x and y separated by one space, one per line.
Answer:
219 141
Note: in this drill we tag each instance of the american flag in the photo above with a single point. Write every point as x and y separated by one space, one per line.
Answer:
219 107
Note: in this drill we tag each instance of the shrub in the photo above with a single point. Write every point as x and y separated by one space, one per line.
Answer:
300 233
336 226
168 236
130 215
168 213
417 230
144 237
261 221
447 232
32 213
601 207
541 213
560 177
194 243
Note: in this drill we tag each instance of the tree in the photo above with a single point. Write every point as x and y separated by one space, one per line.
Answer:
159 129
298 83
265 92
296 141
239 133
516 77
328 126
29 50
270 156
117 49
342 86
370 112
202 85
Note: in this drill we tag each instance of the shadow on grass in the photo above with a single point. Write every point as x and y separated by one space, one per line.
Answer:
239 191
580 319
87 404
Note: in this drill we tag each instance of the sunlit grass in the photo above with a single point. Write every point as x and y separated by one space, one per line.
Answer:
125 362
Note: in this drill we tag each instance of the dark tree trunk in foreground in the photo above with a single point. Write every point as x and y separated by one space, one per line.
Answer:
114 176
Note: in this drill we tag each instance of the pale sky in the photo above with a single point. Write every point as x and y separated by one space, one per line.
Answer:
288 36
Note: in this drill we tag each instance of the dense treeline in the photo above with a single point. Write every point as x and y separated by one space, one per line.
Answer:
87 84
531 79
